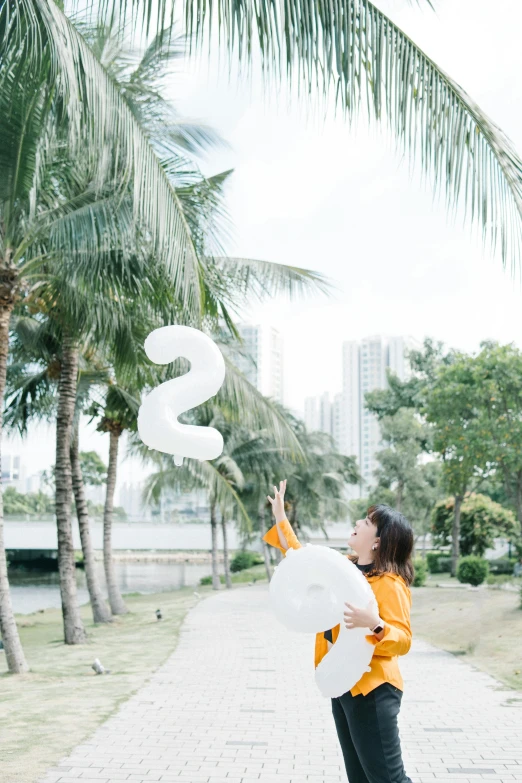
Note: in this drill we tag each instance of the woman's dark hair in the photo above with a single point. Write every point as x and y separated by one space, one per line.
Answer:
393 555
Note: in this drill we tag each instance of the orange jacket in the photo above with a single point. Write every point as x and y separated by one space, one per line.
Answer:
394 601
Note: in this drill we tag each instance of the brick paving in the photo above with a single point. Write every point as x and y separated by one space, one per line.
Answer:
237 703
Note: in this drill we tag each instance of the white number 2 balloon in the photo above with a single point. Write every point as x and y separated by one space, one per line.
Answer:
308 592
158 424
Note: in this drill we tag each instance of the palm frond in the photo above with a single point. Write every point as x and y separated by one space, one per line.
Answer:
355 53
102 127
260 279
217 478
238 397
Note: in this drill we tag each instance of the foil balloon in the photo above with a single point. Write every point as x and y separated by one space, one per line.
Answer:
158 424
308 592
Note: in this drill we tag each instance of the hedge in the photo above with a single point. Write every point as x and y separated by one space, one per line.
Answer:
421 572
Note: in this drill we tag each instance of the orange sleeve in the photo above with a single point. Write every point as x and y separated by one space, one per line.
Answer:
394 604
272 537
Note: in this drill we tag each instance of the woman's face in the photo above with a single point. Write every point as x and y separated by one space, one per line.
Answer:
363 537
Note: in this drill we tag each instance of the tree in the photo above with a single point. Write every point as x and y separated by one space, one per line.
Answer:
422 495
100 611
119 413
454 411
221 479
498 378
482 520
404 438
94 469
47 122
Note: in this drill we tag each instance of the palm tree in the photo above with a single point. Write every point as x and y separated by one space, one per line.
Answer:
53 237
31 396
100 611
118 413
44 120
219 478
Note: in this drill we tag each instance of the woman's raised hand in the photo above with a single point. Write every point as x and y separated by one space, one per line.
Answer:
278 501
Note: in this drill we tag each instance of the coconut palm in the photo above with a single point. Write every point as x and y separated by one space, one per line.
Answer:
316 488
220 478
100 611
119 412
31 396
40 219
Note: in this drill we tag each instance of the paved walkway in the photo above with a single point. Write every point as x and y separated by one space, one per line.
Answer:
237 703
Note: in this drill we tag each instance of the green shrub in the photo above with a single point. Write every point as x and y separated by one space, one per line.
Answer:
472 570
438 562
498 579
432 560
444 564
421 572
504 565
244 559
207 580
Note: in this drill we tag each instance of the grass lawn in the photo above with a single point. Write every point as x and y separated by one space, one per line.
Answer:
484 626
60 702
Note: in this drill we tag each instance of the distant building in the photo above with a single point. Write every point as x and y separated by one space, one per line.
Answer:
318 414
13 472
365 366
355 430
35 484
263 362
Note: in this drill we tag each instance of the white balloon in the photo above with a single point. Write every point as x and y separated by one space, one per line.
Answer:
158 424
308 592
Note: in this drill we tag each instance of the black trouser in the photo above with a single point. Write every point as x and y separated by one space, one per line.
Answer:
369 735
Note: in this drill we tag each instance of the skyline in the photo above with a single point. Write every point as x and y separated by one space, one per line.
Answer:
37 450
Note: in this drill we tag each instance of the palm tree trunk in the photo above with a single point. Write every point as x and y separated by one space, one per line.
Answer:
115 599
262 527
74 632
216 582
100 610
14 653
228 580
455 535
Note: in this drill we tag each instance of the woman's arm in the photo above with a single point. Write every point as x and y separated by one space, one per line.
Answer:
281 534
394 609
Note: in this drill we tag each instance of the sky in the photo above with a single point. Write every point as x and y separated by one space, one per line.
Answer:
311 192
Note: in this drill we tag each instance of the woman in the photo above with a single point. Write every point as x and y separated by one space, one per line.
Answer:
366 716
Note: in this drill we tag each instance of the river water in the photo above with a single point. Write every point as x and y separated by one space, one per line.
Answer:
34 590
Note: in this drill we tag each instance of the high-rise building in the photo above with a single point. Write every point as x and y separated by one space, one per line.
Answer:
263 362
319 414
398 349
337 420
364 370
325 415
355 430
